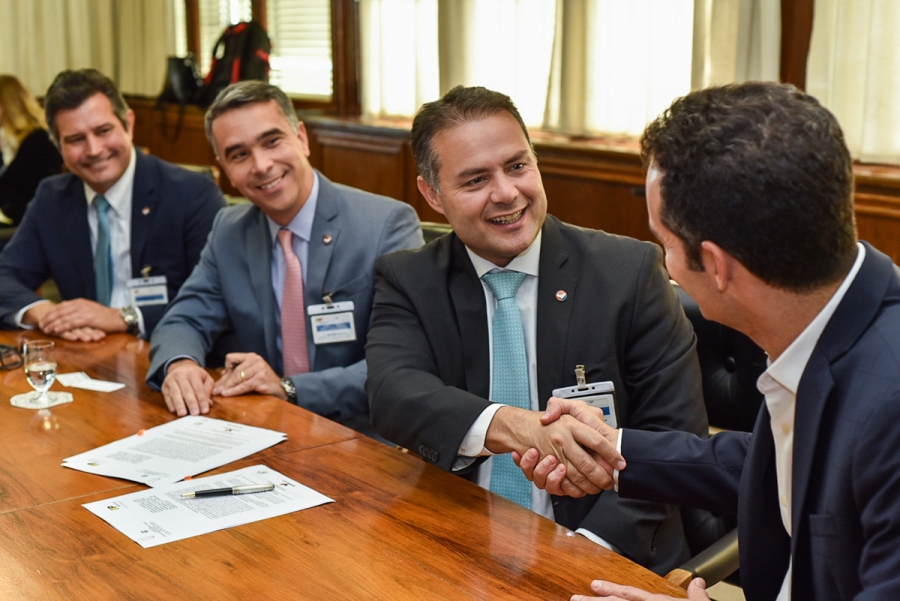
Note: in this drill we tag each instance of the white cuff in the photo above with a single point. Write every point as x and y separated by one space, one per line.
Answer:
615 471
596 539
473 442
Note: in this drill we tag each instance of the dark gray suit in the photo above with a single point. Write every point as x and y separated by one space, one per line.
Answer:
172 210
429 366
231 291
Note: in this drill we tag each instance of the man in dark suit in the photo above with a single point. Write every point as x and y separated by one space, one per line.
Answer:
119 234
242 284
750 190
586 299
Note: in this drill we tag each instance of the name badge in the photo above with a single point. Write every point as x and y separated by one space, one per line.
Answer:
601 395
332 323
148 291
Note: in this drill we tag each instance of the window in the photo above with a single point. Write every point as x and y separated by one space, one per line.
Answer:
300 31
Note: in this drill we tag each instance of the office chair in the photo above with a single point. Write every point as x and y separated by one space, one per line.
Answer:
730 364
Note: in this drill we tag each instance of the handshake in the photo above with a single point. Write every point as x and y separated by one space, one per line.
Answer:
566 450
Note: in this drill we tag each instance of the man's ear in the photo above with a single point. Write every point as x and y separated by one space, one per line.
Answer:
717 263
430 195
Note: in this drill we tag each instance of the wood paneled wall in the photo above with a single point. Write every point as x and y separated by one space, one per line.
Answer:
586 184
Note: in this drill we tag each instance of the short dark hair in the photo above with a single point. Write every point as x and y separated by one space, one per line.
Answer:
247 92
72 87
762 170
459 105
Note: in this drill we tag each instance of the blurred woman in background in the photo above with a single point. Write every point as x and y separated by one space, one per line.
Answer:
28 154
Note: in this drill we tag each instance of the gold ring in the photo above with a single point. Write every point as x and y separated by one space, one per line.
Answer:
242 374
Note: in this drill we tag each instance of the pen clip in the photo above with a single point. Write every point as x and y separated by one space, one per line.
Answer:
579 377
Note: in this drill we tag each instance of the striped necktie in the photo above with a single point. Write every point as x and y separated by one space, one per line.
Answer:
509 383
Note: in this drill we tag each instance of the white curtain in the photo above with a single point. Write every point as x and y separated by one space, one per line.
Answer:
736 41
854 70
617 65
573 66
128 41
399 54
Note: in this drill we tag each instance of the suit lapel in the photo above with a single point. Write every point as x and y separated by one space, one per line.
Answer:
144 201
259 260
76 234
467 296
326 226
557 272
851 318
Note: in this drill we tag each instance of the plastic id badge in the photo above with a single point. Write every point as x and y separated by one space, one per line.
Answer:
332 323
596 394
148 291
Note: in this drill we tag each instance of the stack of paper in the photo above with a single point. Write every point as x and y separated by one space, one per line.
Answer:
173 451
161 515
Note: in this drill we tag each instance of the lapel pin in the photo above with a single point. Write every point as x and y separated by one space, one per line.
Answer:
327 239
145 211
561 295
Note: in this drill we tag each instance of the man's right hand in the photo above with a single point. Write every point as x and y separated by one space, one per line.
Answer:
38 314
187 388
546 471
588 456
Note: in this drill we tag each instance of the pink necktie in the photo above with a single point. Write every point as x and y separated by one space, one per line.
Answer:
293 311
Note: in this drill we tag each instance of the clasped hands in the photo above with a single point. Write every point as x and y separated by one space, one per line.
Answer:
79 319
188 388
566 450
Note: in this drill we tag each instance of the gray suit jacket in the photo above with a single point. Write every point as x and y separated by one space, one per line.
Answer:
230 292
429 373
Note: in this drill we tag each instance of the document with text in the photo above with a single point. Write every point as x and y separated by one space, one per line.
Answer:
162 515
173 451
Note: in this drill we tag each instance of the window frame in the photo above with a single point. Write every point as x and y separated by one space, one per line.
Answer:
345 98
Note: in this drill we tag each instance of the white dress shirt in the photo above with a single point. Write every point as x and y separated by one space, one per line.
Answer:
779 384
526 297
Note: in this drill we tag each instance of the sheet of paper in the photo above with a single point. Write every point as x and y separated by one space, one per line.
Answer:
79 379
173 451
161 515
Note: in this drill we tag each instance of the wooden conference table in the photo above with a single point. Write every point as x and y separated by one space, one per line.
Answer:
398 529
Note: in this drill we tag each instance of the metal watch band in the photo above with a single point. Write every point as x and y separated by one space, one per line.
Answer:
289 389
130 317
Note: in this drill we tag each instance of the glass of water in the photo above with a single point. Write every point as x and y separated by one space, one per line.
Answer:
40 370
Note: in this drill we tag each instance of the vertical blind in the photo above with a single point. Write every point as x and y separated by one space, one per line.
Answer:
301 59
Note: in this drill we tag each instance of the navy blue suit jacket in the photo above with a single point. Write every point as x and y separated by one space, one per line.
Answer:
172 212
846 472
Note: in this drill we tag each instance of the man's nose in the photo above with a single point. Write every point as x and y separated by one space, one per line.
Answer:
503 189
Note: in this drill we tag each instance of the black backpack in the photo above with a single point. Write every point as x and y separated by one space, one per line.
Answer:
241 53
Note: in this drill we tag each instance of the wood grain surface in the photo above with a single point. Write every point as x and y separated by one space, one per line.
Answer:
399 529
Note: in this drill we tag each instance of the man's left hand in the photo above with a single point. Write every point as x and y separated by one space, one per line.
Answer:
248 372
81 313
696 591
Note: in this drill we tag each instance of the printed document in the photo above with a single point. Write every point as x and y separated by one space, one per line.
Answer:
171 452
161 515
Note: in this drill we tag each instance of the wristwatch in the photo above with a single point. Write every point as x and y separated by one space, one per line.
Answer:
289 389
131 319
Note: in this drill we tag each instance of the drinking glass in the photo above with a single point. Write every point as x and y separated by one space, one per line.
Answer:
40 371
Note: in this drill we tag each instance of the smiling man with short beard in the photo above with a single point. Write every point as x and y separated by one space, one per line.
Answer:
584 298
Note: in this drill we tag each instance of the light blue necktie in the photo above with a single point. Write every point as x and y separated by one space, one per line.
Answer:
103 267
510 378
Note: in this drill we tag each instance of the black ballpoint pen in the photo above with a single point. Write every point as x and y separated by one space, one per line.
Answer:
235 490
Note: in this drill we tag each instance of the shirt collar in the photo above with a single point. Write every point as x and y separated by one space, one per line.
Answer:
301 224
119 194
527 262
790 365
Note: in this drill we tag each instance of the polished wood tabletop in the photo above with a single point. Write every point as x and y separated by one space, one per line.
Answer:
398 529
